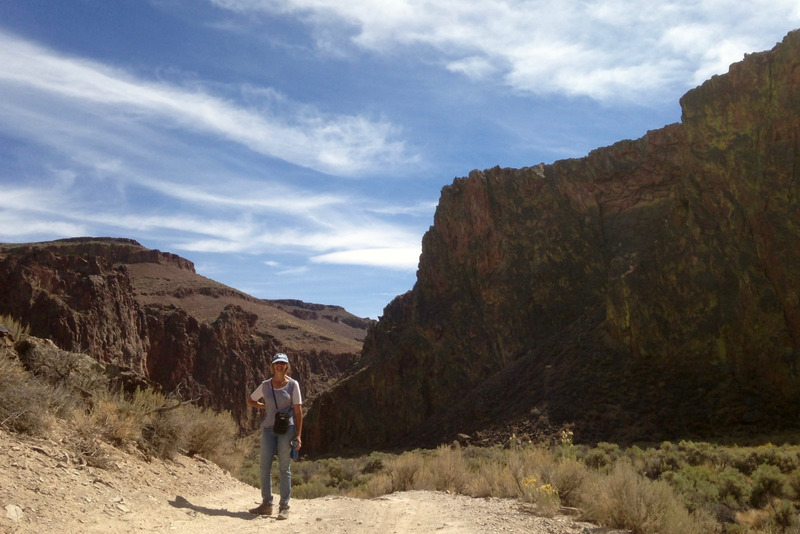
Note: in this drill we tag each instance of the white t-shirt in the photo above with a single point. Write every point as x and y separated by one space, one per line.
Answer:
287 397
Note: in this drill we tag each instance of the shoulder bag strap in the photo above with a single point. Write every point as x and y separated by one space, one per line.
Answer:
273 396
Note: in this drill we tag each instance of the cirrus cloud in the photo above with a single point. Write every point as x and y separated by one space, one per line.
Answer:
604 49
342 145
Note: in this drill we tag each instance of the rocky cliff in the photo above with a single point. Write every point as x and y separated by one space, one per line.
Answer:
149 313
649 290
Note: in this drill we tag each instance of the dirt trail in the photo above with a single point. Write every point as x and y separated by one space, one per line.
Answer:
43 491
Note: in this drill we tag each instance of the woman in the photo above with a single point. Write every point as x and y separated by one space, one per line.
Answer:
281 393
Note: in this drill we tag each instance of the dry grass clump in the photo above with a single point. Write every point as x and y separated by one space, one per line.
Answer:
111 418
211 435
445 470
17 330
161 427
626 499
26 405
40 384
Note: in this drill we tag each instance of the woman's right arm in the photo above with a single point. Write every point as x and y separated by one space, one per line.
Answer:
256 404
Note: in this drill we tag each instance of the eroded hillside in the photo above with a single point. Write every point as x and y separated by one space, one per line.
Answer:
149 311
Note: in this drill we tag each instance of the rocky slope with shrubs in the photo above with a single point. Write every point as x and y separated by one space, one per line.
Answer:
647 291
81 457
149 313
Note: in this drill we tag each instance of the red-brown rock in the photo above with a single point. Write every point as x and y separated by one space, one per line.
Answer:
648 291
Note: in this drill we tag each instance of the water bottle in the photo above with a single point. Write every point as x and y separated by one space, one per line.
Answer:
295 452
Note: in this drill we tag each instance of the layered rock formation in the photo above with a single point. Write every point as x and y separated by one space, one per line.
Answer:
650 290
148 312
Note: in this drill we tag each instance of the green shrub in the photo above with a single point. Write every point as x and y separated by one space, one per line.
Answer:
696 485
793 480
655 462
249 471
748 460
597 459
612 450
303 472
698 453
311 490
342 474
785 515
734 488
373 463
768 482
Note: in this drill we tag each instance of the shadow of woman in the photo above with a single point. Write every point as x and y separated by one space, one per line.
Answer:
182 502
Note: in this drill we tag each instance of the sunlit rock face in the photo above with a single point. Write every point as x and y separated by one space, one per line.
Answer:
149 313
650 290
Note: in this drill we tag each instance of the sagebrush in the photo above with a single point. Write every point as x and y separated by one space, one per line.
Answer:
41 384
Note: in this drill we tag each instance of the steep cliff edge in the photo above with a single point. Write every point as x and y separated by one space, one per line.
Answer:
650 290
147 311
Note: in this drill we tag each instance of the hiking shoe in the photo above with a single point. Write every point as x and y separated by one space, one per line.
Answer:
283 513
265 508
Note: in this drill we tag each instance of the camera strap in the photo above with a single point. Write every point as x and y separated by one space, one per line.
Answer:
274 397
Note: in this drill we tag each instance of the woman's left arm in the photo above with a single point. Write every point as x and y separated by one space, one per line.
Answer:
298 423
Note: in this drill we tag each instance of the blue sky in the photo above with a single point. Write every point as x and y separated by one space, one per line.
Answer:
297 148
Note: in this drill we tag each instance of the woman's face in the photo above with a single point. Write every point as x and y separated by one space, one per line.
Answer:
280 367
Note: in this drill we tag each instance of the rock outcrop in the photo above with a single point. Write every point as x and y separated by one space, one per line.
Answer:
149 314
649 290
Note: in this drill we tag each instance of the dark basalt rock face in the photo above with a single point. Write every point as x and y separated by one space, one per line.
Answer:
648 291
80 302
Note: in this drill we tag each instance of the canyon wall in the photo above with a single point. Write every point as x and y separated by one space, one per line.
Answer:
151 315
648 291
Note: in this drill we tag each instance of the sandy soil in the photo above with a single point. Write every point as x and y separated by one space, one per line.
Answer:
42 490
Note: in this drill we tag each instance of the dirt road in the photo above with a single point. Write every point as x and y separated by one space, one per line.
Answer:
43 491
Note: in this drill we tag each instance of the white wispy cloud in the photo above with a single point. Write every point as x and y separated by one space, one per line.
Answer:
401 258
119 156
419 209
260 197
288 220
17 228
276 127
293 271
604 49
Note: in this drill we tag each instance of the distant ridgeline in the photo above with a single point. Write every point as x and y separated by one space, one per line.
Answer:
648 291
